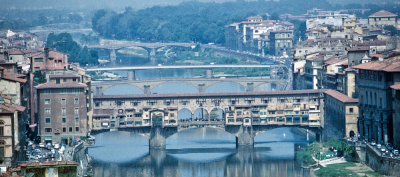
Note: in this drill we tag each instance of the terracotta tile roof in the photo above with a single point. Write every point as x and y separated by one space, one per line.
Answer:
371 43
11 108
395 86
332 60
383 13
14 79
340 96
389 65
62 85
359 48
186 95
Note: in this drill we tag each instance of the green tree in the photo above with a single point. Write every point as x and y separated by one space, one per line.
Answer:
393 30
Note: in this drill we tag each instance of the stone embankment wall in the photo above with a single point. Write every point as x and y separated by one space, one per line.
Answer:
385 165
79 154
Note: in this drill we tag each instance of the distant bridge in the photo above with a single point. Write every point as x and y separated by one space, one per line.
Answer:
151 48
201 84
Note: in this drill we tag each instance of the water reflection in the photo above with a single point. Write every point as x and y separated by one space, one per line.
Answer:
197 152
241 162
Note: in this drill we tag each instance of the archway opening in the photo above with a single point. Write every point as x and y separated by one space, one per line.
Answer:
184 115
352 134
217 114
201 114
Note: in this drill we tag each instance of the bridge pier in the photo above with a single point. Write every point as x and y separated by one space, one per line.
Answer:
131 75
202 87
146 89
250 87
209 73
158 136
113 57
151 53
245 137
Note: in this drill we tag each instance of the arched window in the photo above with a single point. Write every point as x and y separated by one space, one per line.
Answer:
2 144
1 128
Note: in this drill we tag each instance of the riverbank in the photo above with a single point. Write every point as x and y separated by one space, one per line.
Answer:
346 169
332 159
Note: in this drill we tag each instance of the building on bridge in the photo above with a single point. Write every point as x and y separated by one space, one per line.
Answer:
233 111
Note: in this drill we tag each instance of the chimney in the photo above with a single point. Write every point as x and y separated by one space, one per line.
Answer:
46 53
46 57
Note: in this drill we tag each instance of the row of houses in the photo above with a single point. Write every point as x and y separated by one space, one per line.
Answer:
43 97
359 61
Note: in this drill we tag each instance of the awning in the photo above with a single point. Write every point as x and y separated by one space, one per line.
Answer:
288 116
48 138
296 116
305 116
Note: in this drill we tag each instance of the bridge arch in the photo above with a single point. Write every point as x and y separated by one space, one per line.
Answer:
201 114
177 85
223 86
184 114
122 89
217 114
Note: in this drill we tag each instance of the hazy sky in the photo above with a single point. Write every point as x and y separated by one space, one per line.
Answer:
119 4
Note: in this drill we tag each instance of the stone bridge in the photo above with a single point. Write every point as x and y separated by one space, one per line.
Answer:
151 48
201 84
158 116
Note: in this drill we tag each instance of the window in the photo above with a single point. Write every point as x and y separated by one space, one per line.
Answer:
70 129
351 110
76 119
64 80
74 79
58 81
47 111
77 129
63 111
38 59
1 128
64 129
64 120
63 101
76 101
47 120
76 111
48 130
47 101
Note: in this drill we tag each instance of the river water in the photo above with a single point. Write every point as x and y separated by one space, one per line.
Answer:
200 152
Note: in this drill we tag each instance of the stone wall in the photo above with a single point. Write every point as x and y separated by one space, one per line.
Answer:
387 166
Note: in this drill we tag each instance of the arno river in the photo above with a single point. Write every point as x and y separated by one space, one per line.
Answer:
197 152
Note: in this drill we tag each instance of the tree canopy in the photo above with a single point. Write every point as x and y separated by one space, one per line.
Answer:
63 42
189 21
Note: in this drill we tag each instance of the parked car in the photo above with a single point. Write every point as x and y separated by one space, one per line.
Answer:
396 152
383 150
56 145
42 145
373 143
378 146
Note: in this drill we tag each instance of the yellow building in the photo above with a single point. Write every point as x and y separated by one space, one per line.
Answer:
341 113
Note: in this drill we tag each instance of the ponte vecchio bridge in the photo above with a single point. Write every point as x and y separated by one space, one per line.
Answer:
243 114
